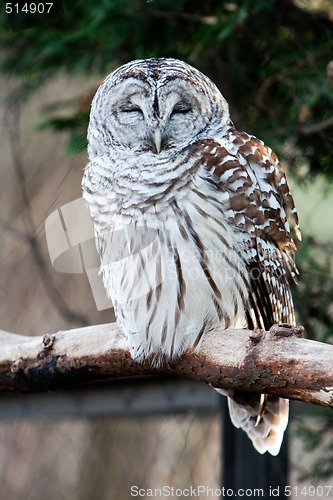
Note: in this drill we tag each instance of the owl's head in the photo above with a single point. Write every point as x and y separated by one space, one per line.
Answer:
155 105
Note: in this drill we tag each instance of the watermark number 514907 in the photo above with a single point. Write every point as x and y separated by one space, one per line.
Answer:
28 8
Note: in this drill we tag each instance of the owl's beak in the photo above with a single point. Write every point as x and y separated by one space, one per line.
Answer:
157 139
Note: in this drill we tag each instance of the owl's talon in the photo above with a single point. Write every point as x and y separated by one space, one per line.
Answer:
262 406
256 335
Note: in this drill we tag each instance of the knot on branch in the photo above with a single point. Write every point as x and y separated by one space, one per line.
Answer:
17 365
286 330
48 341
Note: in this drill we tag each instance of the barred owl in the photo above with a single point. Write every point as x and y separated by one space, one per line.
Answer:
191 222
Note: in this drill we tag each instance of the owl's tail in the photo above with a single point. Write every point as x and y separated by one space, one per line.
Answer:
263 418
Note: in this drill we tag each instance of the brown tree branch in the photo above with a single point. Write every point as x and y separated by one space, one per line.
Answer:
317 127
282 76
185 16
279 362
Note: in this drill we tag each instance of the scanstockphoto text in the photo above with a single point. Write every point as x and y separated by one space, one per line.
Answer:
203 491
28 7
24 15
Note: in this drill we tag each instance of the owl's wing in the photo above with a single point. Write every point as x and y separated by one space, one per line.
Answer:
259 203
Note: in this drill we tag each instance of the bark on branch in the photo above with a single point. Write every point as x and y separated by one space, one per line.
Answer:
279 362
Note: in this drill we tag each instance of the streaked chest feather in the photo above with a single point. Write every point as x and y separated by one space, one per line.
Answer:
174 270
